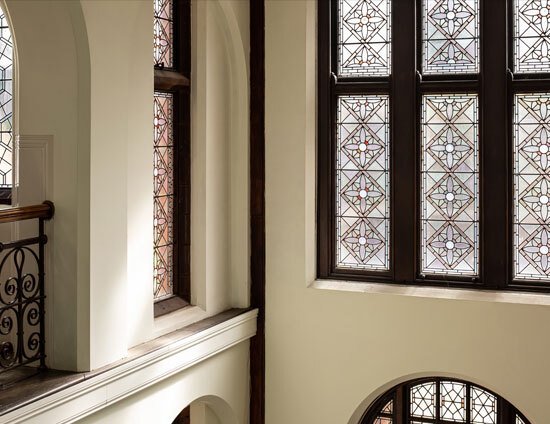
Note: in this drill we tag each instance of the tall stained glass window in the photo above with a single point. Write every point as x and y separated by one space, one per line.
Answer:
363 182
449 184
532 186
433 126
6 110
440 401
364 35
450 36
163 208
171 155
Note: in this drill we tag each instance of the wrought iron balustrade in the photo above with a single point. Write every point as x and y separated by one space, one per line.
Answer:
22 291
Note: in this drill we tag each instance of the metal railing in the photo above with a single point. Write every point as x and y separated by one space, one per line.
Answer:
22 291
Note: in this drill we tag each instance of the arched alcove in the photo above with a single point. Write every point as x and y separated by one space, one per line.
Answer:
207 410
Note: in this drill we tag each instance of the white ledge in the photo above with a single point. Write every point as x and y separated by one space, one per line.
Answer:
91 395
434 292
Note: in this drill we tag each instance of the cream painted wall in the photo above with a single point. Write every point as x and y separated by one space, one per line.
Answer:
330 353
86 79
218 388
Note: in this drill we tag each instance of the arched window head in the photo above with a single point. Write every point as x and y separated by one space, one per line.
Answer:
441 401
6 110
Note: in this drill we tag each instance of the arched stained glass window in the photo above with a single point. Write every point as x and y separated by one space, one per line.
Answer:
441 401
6 110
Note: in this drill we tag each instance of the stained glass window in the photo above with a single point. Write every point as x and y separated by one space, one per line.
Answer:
6 103
163 29
362 182
423 402
531 36
364 34
440 401
449 191
450 36
163 194
532 186
453 401
484 406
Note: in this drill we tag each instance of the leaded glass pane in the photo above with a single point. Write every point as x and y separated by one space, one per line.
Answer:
450 36
484 407
532 186
163 157
423 400
531 36
364 34
388 408
519 420
163 29
449 194
453 401
383 420
6 103
362 182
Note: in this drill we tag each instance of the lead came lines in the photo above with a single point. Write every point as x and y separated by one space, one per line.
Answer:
449 179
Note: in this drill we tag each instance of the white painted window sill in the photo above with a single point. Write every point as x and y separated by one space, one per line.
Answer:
434 292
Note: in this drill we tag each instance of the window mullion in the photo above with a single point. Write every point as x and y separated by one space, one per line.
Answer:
404 178
494 155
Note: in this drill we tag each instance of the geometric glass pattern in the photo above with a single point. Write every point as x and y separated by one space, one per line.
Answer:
453 401
450 36
449 184
442 401
362 182
163 177
6 103
531 36
163 29
532 186
364 38
423 400
484 406
386 414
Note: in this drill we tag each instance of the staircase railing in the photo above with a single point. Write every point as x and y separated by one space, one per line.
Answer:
22 291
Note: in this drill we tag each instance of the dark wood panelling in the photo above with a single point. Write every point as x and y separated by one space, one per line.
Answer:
257 207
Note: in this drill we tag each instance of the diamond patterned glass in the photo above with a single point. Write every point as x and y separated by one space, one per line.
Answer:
364 35
449 179
453 401
484 407
163 157
532 186
163 28
450 36
362 182
6 103
531 36
423 401
519 420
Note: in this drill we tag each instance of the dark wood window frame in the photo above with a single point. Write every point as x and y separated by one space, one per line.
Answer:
495 85
176 80
506 412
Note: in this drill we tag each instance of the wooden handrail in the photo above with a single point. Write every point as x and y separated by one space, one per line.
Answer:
46 211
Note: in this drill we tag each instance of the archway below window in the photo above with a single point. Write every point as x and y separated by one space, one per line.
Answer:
441 401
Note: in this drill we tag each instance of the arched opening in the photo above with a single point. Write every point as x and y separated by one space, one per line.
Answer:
6 110
440 400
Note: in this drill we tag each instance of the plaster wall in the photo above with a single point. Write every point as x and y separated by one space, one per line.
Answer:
85 79
217 390
330 353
